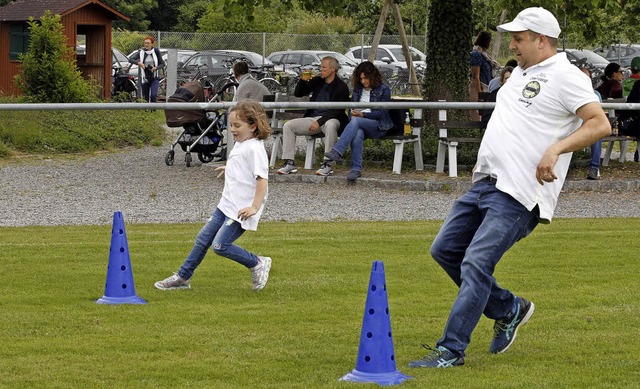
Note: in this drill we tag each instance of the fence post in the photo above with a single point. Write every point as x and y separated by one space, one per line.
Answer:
159 45
264 47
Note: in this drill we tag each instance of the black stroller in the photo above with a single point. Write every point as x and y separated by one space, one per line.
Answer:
203 131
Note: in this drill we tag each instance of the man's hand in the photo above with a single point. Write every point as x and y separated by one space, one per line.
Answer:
314 126
544 171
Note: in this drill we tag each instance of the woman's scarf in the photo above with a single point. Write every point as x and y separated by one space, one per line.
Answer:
151 52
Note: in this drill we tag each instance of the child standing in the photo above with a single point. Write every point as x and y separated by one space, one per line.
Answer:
242 202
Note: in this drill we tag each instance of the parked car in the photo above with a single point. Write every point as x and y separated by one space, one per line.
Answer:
302 58
183 55
388 54
620 53
119 62
588 58
216 64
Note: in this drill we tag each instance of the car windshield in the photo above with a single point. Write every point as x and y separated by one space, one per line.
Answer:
590 56
118 56
256 58
415 56
342 59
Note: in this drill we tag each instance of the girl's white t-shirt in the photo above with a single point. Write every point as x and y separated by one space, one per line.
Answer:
247 161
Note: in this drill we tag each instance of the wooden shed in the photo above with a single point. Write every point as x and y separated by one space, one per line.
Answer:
87 25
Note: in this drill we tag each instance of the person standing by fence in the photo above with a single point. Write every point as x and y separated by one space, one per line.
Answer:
149 59
545 111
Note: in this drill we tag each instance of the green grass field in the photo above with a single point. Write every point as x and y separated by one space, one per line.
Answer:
303 329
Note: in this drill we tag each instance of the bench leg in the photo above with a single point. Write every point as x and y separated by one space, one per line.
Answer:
397 157
623 150
417 152
276 149
607 154
442 149
453 159
311 150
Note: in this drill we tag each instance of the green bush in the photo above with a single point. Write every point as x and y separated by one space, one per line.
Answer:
48 73
54 132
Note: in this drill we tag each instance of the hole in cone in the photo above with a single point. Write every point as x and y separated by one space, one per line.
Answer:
369 335
373 288
123 268
367 358
124 286
372 311
122 249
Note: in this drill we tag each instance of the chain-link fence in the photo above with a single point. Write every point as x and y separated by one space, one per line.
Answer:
267 43
261 43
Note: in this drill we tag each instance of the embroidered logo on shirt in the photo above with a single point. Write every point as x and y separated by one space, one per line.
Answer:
531 90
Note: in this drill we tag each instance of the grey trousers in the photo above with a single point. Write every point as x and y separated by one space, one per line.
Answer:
300 126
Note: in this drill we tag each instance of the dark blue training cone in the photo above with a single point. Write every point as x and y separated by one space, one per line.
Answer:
119 288
376 360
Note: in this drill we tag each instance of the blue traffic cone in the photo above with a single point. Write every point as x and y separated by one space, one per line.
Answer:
376 360
119 288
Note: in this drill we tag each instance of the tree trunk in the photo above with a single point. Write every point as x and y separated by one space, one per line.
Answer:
450 42
379 29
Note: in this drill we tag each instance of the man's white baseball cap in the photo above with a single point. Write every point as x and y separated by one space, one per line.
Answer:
536 19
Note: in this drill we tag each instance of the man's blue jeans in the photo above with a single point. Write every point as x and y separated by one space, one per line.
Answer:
482 225
596 151
354 134
221 232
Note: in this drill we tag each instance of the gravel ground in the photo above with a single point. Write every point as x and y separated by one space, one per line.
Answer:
87 190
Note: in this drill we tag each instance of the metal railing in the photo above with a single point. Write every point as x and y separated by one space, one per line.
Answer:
417 104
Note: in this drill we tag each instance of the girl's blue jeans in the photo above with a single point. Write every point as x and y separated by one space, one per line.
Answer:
354 135
482 225
219 232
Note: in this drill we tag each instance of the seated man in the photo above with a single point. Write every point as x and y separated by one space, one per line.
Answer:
326 87
248 87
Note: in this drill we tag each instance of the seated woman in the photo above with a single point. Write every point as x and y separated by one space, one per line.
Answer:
365 123
611 87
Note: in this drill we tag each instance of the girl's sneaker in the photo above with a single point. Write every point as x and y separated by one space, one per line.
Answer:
260 273
173 282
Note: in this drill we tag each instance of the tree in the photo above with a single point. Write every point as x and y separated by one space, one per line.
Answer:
246 7
48 73
139 11
449 36
189 13
165 16
215 19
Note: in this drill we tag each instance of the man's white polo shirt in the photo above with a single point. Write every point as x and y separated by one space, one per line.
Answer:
535 108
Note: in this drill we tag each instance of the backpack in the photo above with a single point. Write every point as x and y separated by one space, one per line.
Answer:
397 117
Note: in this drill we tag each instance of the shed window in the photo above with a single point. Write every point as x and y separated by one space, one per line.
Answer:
18 41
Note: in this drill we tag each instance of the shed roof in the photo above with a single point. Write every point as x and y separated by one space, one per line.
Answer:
21 10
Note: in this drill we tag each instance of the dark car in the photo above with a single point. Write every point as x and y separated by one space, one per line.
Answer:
216 64
302 58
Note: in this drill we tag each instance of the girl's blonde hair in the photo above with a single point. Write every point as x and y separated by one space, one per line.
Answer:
250 111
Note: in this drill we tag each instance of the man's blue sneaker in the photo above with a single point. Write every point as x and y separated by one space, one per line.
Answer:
504 330
439 357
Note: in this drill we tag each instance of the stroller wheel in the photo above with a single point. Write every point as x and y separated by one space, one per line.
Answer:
168 159
205 157
187 159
